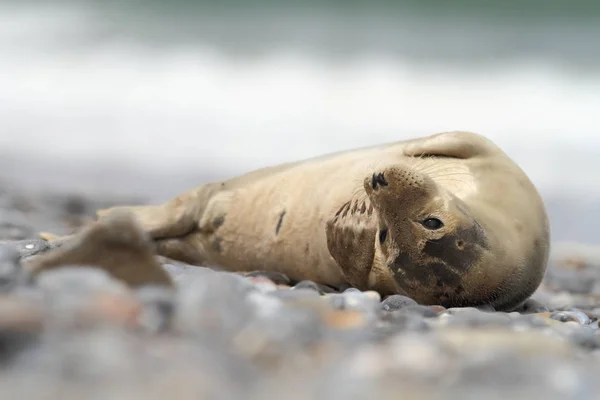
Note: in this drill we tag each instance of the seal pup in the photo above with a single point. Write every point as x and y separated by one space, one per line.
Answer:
445 219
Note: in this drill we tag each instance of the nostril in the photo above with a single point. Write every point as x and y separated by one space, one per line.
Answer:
381 179
382 235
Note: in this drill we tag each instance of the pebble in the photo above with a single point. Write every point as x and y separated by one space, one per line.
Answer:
157 308
292 295
11 272
30 247
396 302
263 284
21 325
574 315
307 285
276 277
79 332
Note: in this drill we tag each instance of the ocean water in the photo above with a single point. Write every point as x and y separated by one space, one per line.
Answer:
151 97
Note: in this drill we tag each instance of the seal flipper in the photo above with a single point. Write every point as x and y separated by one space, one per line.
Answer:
351 235
176 217
449 144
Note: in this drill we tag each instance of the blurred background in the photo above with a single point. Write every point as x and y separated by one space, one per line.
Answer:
154 97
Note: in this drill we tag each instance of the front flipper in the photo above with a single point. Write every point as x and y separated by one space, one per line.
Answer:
351 236
456 144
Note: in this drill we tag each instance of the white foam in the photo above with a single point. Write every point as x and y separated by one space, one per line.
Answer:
194 105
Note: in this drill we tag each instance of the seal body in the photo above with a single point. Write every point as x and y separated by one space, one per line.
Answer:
446 219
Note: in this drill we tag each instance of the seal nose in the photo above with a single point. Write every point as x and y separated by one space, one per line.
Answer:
378 180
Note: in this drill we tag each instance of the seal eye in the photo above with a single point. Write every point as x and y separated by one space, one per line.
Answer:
382 235
432 223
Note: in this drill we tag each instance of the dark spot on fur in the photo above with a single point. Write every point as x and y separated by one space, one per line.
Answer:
459 289
404 262
460 244
216 244
424 273
444 274
306 249
279 222
459 257
217 222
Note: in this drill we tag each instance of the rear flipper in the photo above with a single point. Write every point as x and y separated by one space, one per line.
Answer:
174 218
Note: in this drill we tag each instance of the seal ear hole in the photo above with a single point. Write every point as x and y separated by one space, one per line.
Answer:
383 235
432 223
460 244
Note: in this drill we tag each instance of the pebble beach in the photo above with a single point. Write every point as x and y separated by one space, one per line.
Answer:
79 332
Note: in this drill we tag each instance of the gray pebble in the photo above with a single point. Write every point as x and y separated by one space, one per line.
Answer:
287 294
572 281
353 301
573 315
583 336
396 302
399 320
158 307
11 272
213 301
14 225
29 247
71 279
276 277
307 285
424 311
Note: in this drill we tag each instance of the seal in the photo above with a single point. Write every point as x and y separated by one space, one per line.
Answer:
445 219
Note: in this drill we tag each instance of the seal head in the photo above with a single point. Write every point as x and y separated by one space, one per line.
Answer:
427 238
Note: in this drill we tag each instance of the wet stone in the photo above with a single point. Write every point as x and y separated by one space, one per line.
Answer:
572 281
582 336
399 320
297 294
263 284
307 285
21 323
574 315
353 301
555 301
14 226
181 271
396 302
158 307
29 247
419 310
277 277
11 272
213 302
